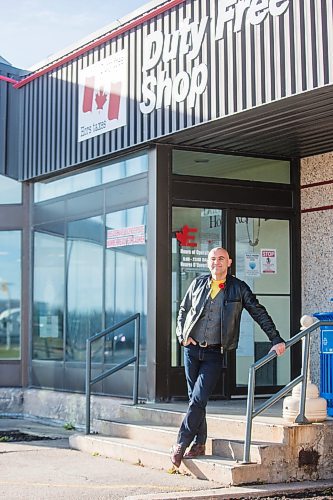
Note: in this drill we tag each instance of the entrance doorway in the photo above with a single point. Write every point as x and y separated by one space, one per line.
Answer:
260 249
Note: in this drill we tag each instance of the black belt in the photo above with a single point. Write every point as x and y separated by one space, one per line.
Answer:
210 346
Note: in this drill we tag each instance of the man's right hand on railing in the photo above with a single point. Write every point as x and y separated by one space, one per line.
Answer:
279 348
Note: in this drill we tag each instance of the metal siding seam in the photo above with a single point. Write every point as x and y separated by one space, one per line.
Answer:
64 117
243 63
291 29
330 39
107 140
179 67
248 58
282 48
205 100
74 111
168 109
230 64
143 136
22 173
120 130
50 121
173 72
212 64
132 67
303 47
79 145
139 54
113 50
26 100
155 115
157 123
277 59
257 65
287 53
319 44
298 51
102 137
308 45
45 126
161 113
34 121
68 113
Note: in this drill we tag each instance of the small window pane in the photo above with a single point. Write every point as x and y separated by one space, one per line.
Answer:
10 191
230 167
10 294
115 170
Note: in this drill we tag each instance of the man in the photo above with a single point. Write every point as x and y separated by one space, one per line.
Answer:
207 326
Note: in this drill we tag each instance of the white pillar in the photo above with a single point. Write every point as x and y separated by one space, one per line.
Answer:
315 406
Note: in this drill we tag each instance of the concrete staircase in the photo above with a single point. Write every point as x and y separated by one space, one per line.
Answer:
143 435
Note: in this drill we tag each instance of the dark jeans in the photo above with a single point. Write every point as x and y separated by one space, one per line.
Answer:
202 369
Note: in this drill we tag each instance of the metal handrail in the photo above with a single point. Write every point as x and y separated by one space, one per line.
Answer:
133 359
300 419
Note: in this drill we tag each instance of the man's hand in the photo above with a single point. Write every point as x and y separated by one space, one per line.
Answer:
279 348
189 341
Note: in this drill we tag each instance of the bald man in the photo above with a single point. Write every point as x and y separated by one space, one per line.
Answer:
208 326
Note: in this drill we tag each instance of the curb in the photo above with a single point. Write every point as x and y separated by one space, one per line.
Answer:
238 492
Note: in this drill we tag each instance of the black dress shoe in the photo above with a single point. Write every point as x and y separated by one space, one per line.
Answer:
176 454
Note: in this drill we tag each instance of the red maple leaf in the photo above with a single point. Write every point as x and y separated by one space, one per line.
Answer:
100 99
185 238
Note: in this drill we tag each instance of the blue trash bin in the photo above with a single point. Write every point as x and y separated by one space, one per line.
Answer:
326 360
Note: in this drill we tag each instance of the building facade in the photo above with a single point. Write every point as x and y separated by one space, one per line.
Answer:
192 124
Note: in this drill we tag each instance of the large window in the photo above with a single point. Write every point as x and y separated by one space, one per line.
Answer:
48 309
84 286
10 294
10 191
90 272
126 279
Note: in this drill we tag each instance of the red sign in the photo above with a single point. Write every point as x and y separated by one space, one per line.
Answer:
185 238
125 236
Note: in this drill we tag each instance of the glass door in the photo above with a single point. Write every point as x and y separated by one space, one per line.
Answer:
194 232
262 260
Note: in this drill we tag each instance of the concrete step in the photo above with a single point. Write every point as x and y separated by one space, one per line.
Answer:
221 426
165 436
212 468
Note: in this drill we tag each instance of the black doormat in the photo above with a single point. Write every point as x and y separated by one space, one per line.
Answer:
15 436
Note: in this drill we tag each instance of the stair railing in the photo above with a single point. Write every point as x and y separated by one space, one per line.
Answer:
302 378
107 373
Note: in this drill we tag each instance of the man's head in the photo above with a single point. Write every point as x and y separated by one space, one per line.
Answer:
218 262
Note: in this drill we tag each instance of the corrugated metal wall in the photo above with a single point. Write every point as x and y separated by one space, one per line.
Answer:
10 99
279 57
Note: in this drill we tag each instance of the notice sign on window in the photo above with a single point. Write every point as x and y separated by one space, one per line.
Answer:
252 264
125 236
102 96
268 261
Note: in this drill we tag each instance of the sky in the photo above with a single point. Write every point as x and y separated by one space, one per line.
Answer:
32 30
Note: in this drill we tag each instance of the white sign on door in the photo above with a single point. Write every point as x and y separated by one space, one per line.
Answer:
268 261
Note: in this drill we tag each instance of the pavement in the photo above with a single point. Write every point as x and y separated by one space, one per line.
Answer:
49 469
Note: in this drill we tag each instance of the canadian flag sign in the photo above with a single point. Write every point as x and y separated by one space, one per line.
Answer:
103 96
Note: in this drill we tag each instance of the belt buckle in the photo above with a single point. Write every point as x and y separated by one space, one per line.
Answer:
203 344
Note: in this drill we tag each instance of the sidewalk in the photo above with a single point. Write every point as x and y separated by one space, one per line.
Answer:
48 469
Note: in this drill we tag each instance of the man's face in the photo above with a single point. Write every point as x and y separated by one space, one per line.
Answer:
218 263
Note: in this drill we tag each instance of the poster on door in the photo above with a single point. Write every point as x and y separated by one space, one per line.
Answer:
268 261
252 264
